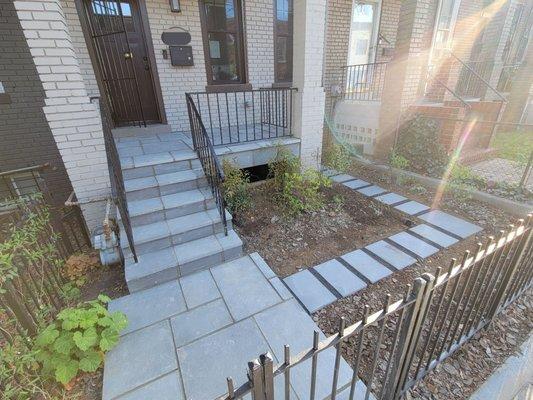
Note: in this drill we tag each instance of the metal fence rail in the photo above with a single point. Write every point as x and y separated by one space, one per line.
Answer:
363 82
208 158
473 77
417 332
244 116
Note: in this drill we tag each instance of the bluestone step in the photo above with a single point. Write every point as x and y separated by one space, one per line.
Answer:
142 166
175 205
165 184
163 234
161 266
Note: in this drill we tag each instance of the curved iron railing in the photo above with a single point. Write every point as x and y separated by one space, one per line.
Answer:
208 158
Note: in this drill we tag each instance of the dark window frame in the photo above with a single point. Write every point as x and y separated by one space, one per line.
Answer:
241 50
289 44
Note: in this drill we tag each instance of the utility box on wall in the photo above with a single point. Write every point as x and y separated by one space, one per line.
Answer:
181 56
180 53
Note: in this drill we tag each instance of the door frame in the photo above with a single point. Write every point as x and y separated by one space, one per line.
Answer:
374 40
145 30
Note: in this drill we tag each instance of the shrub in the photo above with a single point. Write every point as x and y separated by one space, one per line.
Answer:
337 157
236 188
282 165
298 192
418 143
78 339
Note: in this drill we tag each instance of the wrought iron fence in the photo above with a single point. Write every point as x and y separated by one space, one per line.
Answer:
413 335
473 78
30 283
244 116
507 75
208 158
363 81
118 190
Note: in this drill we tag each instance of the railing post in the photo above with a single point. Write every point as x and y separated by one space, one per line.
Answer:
409 335
525 242
255 376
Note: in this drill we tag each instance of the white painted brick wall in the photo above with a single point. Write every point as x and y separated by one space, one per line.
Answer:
176 81
309 26
74 121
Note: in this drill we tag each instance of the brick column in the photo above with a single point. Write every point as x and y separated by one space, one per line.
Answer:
309 101
75 122
406 71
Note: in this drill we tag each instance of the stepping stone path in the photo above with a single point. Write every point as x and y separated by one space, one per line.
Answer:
343 276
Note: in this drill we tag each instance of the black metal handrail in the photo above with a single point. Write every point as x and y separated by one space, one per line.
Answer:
481 80
208 158
245 115
118 190
468 84
363 82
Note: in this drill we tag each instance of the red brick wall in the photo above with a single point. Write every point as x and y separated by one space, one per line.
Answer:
450 131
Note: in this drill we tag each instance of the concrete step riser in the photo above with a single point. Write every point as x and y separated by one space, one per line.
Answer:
165 168
171 213
180 238
175 272
164 190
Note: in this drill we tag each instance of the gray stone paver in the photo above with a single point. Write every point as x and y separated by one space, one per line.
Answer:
390 198
168 387
199 288
412 207
281 288
394 256
366 265
146 307
244 288
356 184
206 363
309 290
450 223
371 190
139 358
414 244
342 178
286 323
434 235
338 276
199 322
263 266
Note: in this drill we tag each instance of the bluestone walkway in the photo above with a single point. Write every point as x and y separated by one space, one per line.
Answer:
347 274
187 336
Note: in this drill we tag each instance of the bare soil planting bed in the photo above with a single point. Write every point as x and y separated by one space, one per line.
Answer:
290 243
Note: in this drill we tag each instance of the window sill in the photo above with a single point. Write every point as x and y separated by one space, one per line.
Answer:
276 85
5 98
231 87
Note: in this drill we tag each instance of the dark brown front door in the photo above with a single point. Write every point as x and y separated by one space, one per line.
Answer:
120 48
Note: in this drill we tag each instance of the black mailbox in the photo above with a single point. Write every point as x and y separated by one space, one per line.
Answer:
180 53
181 56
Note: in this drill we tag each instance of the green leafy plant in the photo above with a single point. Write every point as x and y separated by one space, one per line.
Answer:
281 166
298 192
399 162
236 188
418 143
337 157
78 339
